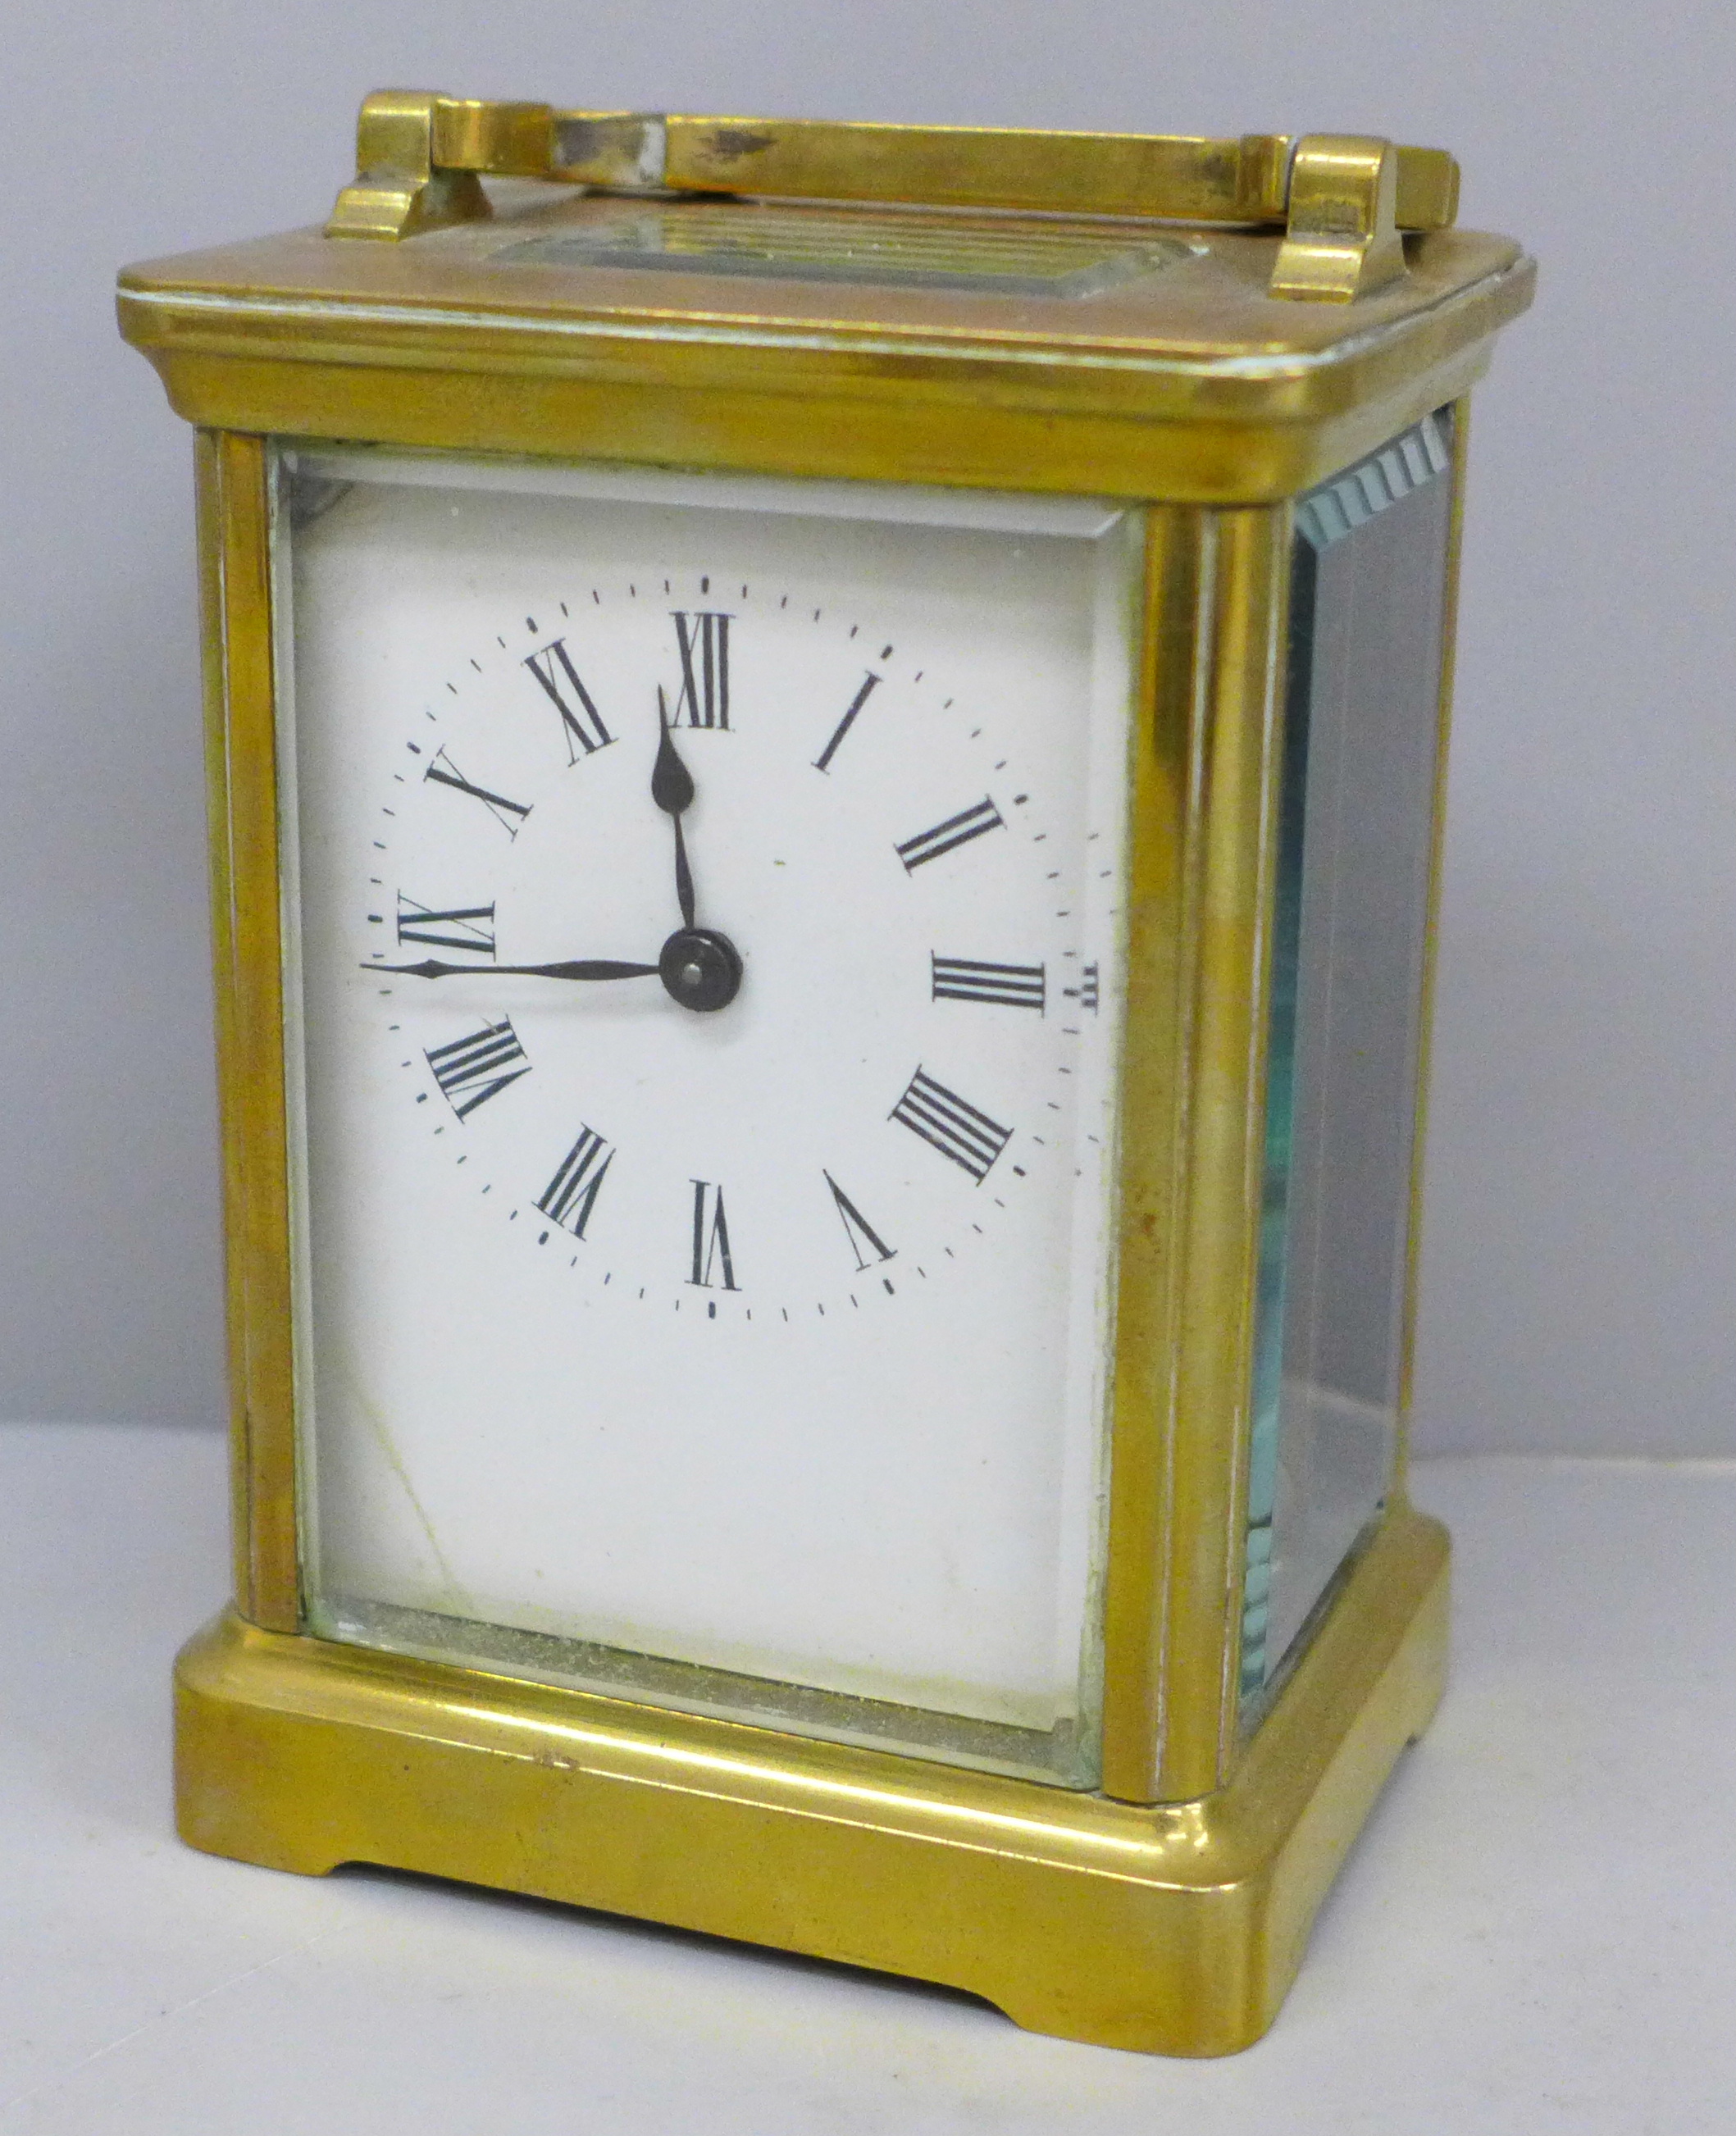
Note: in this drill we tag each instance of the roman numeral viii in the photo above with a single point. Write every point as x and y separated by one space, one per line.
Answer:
1012 986
702 640
473 1069
711 1238
468 928
570 1196
581 722
946 838
947 1123
510 813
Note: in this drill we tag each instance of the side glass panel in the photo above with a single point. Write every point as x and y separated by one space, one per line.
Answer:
1367 612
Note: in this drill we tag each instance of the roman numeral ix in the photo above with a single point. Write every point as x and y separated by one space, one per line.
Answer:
711 1238
702 639
469 928
581 722
1012 986
857 1228
956 831
473 1069
510 813
946 1123
570 1196
823 761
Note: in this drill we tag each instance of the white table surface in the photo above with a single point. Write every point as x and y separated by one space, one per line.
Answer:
1534 1933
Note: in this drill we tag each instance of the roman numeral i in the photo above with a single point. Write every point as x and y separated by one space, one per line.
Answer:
1012 986
581 722
702 639
946 1123
479 1066
570 1196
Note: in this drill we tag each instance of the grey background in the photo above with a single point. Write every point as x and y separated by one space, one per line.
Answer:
1578 1258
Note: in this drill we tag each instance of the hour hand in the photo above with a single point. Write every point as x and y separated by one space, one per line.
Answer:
672 788
581 968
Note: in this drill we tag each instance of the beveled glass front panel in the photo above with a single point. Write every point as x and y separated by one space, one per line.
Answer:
1367 614
751 1357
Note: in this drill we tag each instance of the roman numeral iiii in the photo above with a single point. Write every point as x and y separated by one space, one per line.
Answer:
479 1066
1011 986
947 1123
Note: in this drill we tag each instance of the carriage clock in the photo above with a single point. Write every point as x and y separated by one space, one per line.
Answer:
825 755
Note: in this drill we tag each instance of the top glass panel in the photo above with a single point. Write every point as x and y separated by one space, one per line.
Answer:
746 1354
1362 717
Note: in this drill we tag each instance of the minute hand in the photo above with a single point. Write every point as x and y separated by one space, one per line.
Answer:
582 967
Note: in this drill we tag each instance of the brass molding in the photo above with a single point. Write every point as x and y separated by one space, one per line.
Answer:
1343 240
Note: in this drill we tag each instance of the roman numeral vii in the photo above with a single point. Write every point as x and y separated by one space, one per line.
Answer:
570 1196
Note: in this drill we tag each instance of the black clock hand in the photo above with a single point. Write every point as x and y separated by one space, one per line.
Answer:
672 788
583 968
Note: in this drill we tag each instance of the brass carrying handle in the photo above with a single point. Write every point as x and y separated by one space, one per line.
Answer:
1344 199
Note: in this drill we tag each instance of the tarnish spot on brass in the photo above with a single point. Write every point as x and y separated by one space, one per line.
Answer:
727 144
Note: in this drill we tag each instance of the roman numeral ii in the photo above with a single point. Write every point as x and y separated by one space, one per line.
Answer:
946 838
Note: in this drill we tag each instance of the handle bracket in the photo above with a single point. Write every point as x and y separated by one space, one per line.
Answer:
1343 199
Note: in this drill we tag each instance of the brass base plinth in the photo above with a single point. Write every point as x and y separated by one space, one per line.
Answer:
1173 1929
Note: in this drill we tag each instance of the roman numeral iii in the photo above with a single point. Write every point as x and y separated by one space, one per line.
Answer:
1012 986
570 1196
510 813
467 928
581 722
702 639
948 1123
479 1066
711 1238
857 1228
947 838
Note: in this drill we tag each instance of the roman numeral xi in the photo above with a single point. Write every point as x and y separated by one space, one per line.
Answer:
581 722
479 1066
947 1123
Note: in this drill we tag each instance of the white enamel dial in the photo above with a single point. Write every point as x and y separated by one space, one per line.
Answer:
707 939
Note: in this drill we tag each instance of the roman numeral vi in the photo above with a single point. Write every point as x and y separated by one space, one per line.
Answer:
710 1237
